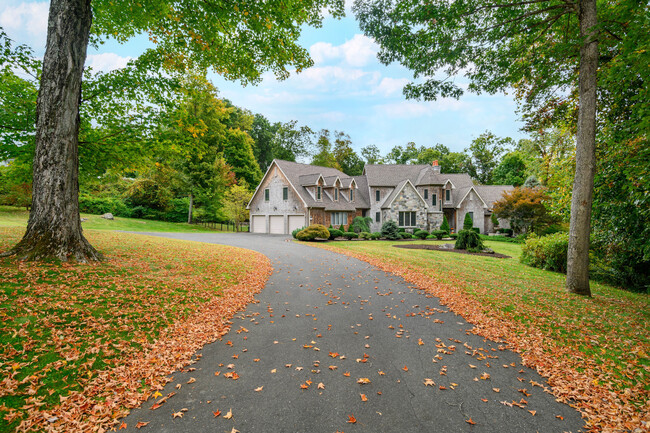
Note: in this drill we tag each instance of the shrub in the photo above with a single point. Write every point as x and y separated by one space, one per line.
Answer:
365 235
350 235
546 252
312 232
476 229
468 222
360 224
445 224
495 220
438 234
295 232
401 230
505 231
422 234
342 228
453 235
500 239
469 240
389 230
102 205
375 235
334 233
406 235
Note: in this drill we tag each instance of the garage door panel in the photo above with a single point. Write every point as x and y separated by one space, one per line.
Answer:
296 222
276 224
259 224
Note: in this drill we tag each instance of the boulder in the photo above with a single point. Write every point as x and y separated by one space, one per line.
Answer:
108 216
83 220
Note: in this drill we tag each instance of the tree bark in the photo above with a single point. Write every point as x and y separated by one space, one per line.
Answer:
54 226
577 280
189 212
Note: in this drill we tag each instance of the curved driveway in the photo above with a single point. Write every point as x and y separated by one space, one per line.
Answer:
326 322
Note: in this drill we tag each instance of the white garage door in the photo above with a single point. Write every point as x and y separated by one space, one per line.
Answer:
277 224
296 222
259 223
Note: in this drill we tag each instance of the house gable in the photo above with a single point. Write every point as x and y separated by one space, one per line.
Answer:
274 172
411 194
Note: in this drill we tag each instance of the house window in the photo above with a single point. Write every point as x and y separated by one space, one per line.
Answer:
447 195
434 199
377 195
339 218
426 194
318 192
407 219
285 193
378 217
266 194
336 194
351 194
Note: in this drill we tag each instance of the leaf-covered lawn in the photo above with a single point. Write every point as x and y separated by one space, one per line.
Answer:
595 352
82 343
17 217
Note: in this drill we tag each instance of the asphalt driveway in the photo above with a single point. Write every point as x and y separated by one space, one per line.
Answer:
334 340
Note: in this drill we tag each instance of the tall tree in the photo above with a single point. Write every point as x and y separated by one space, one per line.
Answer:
350 163
539 46
324 156
240 40
485 152
371 154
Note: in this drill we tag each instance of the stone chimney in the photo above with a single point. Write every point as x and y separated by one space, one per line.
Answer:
436 167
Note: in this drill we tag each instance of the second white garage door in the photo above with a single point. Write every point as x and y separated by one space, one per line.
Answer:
296 222
259 223
276 223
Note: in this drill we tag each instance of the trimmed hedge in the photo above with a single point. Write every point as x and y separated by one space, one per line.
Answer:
296 231
335 233
406 235
312 232
350 235
438 234
365 235
547 252
422 234
375 235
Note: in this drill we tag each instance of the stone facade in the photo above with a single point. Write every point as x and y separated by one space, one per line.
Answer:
375 206
472 203
434 220
408 200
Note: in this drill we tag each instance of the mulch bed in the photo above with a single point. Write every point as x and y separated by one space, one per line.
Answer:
451 250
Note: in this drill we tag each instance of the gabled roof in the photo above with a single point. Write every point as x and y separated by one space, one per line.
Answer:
492 193
309 179
392 174
428 176
398 189
466 193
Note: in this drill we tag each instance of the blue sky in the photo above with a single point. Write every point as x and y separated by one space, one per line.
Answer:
346 90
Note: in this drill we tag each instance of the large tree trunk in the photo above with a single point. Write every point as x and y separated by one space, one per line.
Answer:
577 280
189 212
54 227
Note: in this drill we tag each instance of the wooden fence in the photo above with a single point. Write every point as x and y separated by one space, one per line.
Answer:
225 227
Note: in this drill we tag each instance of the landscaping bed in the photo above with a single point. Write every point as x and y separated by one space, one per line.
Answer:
450 250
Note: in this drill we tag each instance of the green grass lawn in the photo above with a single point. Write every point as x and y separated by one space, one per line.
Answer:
78 335
15 217
606 338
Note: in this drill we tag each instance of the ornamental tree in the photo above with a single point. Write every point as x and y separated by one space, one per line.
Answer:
239 40
524 208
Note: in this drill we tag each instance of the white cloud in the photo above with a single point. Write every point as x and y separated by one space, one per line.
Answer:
106 61
390 86
356 52
419 109
29 17
328 76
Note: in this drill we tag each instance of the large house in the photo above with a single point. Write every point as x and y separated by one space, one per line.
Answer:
293 195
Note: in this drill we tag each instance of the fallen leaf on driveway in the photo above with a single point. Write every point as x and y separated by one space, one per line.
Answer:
258 389
141 424
351 419
217 413
363 381
363 397
321 385
228 415
178 414
428 382
192 380
469 421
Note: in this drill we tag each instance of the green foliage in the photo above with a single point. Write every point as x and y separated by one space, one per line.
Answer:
422 234
296 231
365 235
468 222
390 231
350 235
485 151
501 239
334 233
469 240
312 232
439 234
453 235
101 205
148 193
235 201
445 225
495 220
531 182
546 252
405 235
376 235
360 224
511 170
476 229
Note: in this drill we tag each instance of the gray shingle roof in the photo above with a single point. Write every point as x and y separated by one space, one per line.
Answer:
391 174
492 193
308 179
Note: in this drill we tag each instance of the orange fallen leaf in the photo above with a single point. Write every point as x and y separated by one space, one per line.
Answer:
177 414
428 382
228 415
346 374
560 417
141 424
123 425
532 412
405 368
321 385
332 367
334 354
192 380
484 400
259 388
470 422
363 397
363 381
216 413
496 389
351 419
304 386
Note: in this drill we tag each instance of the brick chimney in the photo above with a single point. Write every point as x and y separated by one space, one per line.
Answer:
436 167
